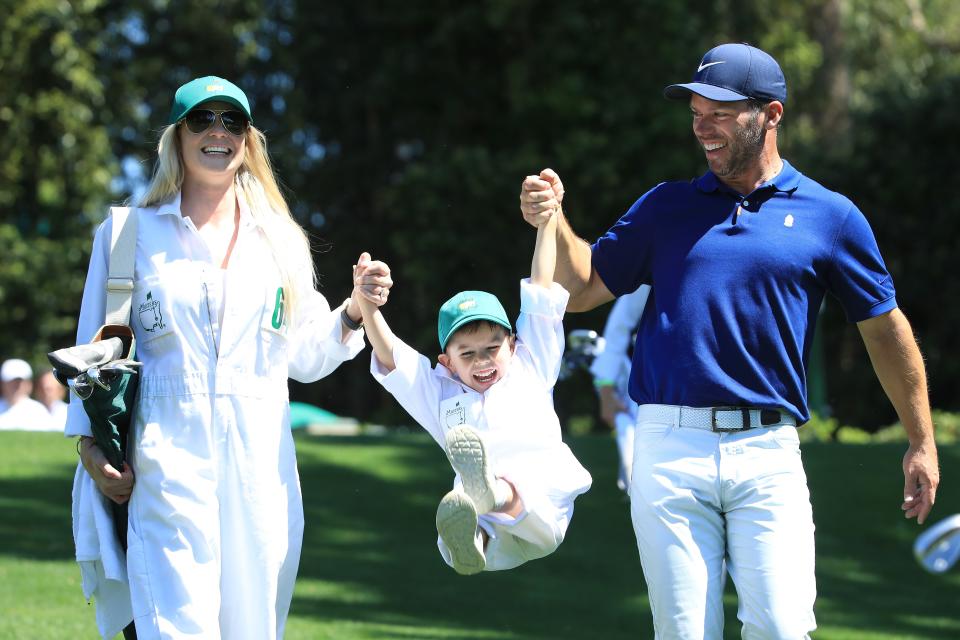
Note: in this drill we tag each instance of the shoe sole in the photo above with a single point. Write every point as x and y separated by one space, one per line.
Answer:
468 457
457 526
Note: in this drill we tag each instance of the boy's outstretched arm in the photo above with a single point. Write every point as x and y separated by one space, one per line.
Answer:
378 331
545 252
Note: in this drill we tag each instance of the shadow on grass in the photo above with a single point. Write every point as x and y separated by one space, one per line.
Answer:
371 543
867 577
370 554
36 521
370 559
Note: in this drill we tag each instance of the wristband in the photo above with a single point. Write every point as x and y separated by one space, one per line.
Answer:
349 322
602 382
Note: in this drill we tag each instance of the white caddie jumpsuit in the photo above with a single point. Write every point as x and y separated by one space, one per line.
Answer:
517 421
216 516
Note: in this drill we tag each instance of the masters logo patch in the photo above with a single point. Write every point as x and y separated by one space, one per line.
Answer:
149 313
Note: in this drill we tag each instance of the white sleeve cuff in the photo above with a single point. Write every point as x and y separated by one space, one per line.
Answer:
355 343
78 422
543 301
407 361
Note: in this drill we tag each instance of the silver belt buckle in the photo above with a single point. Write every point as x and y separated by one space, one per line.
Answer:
744 417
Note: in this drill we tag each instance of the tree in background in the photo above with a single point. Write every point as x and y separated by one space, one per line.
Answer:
86 86
56 166
406 128
897 162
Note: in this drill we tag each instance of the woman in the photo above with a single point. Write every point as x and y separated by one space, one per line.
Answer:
224 311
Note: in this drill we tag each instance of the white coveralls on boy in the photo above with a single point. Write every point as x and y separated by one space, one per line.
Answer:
216 516
518 424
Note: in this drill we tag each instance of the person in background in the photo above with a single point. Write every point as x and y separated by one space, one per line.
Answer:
611 374
18 411
51 394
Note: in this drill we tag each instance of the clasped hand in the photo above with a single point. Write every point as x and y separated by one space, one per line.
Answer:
371 280
541 197
114 484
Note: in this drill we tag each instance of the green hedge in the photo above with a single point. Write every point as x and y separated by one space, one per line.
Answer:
820 429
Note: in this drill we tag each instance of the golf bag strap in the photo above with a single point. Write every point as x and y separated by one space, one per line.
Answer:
123 247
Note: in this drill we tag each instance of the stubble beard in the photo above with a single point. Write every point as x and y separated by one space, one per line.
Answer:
744 149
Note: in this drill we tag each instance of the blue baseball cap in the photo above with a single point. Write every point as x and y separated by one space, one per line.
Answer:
205 89
466 307
732 72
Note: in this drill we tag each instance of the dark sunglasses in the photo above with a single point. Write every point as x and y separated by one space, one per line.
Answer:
199 120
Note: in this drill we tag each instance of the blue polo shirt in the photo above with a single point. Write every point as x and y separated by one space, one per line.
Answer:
737 284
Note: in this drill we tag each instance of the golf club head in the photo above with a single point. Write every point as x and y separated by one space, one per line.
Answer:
583 342
938 548
582 346
72 361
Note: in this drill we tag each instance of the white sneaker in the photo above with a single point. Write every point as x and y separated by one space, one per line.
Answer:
468 457
457 526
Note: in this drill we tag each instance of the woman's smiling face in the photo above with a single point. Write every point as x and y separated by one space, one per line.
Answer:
214 152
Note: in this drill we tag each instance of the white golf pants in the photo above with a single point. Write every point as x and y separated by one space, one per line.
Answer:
698 498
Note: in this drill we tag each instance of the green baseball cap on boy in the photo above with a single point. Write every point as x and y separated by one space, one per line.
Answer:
468 306
205 89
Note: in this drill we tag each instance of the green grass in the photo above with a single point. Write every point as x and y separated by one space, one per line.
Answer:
370 567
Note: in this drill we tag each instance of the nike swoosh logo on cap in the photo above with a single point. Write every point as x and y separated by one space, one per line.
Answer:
709 64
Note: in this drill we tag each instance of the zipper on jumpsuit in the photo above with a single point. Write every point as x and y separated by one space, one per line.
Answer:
211 325
214 343
206 293
215 365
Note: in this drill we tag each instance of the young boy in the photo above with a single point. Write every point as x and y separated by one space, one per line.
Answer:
489 403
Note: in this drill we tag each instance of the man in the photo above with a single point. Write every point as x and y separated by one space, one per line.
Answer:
739 261
50 393
17 409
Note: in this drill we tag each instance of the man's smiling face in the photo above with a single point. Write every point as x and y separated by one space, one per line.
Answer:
730 133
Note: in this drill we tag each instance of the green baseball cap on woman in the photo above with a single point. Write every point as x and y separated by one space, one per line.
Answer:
205 89
468 306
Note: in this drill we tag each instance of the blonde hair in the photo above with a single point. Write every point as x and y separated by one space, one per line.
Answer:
256 182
